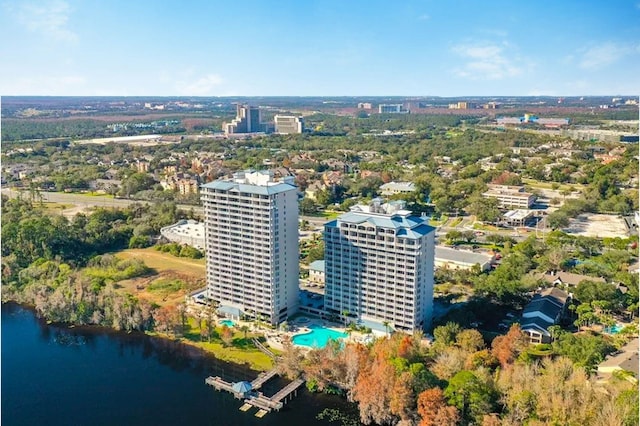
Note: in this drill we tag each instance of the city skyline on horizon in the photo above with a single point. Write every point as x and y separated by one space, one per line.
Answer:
320 48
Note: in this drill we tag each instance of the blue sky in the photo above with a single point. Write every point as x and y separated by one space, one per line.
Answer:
320 48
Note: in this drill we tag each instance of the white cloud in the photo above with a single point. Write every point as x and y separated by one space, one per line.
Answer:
67 85
48 18
207 85
601 55
487 61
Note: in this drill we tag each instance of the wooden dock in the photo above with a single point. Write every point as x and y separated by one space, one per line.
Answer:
263 378
264 403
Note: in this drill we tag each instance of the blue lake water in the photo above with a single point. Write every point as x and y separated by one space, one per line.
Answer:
317 337
56 375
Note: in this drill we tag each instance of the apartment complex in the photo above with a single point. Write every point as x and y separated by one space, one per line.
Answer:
287 124
510 196
379 267
251 234
248 120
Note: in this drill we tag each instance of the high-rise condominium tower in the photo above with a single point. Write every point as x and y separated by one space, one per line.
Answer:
379 267
251 233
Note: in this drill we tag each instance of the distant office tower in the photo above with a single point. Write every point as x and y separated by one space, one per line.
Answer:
248 120
287 124
392 109
251 234
379 267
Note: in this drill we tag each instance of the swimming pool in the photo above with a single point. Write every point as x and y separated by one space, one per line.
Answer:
613 329
227 322
317 337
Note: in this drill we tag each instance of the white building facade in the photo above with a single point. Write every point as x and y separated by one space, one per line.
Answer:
288 124
379 267
251 234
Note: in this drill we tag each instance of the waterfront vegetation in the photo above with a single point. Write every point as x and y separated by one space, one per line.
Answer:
460 379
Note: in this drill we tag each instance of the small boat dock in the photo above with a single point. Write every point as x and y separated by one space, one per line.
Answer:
248 391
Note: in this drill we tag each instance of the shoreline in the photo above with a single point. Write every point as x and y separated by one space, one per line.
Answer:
195 351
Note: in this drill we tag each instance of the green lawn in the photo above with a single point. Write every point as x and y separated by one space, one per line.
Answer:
240 351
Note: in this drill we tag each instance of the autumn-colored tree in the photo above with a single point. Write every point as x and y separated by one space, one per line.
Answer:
226 334
434 410
373 389
290 362
165 319
491 420
448 363
506 348
405 347
402 397
470 340
482 358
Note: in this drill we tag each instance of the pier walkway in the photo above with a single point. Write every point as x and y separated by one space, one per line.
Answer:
258 399
263 378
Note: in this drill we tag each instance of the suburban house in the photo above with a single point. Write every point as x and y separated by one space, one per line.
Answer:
545 309
625 360
566 278
313 189
449 258
316 271
393 188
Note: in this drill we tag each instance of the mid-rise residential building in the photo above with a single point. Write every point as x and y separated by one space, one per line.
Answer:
251 234
510 196
379 267
392 109
248 120
288 124
190 232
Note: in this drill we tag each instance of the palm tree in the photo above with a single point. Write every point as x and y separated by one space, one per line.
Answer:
244 328
386 326
345 314
555 331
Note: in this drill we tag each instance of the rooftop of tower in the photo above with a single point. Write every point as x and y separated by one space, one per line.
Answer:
253 182
389 216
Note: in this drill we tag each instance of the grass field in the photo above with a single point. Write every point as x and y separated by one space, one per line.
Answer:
240 351
161 262
160 287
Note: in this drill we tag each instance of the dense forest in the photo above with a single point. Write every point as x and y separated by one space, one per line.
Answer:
62 268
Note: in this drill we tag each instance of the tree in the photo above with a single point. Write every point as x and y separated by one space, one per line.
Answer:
308 206
244 329
289 364
445 335
434 411
558 219
470 340
485 209
507 348
470 395
226 334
